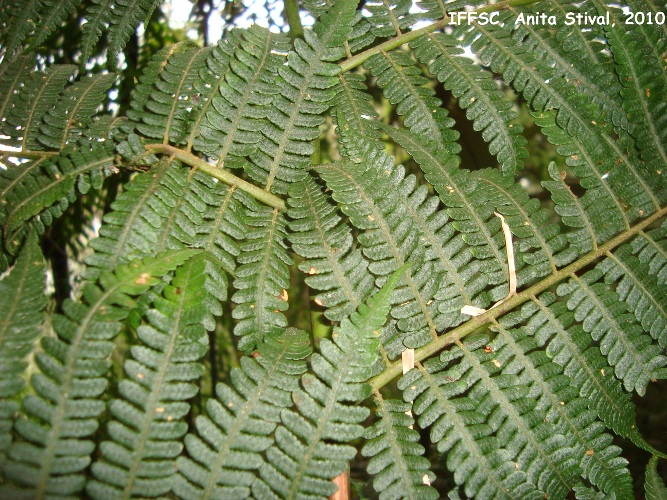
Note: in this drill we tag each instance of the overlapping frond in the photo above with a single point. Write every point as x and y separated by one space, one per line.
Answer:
55 423
262 278
326 244
311 443
306 89
35 193
654 486
119 17
27 107
229 440
651 249
67 119
499 441
21 310
478 94
388 17
401 224
403 84
147 419
635 358
396 457
231 128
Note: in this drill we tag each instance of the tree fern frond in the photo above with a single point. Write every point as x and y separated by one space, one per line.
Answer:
42 190
598 458
401 224
65 121
124 19
644 92
651 249
484 437
354 113
325 243
12 75
639 290
21 22
310 447
232 126
403 85
147 420
599 151
27 108
52 14
169 108
635 358
396 457
388 17
307 89
478 94
262 278
654 486
21 312
228 443
55 423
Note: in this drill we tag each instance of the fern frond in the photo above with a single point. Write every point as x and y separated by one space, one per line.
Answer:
402 83
41 190
169 108
239 424
12 75
654 486
325 243
21 310
124 19
388 17
147 420
310 444
598 152
232 126
262 278
30 104
307 89
21 22
478 94
651 249
55 422
396 457
598 458
644 92
51 16
67 120
498 440
401 224
639 290
635 358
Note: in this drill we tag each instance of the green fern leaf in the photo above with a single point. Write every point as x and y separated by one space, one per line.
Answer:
65 121
27 107
52 14
56 421
478 94
307 89
41 190
147 420
12 75
333 266
21 312
388 18
395 455
654 486
232 126
240 421
262 278
651 249
403 84
124 19
636 360
598 458
21 22
644 92
310 447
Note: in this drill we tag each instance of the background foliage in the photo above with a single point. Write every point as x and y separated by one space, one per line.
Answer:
218 256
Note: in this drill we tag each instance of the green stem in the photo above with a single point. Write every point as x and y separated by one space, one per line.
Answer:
293 19
359 59
28 154
219 173
395 369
